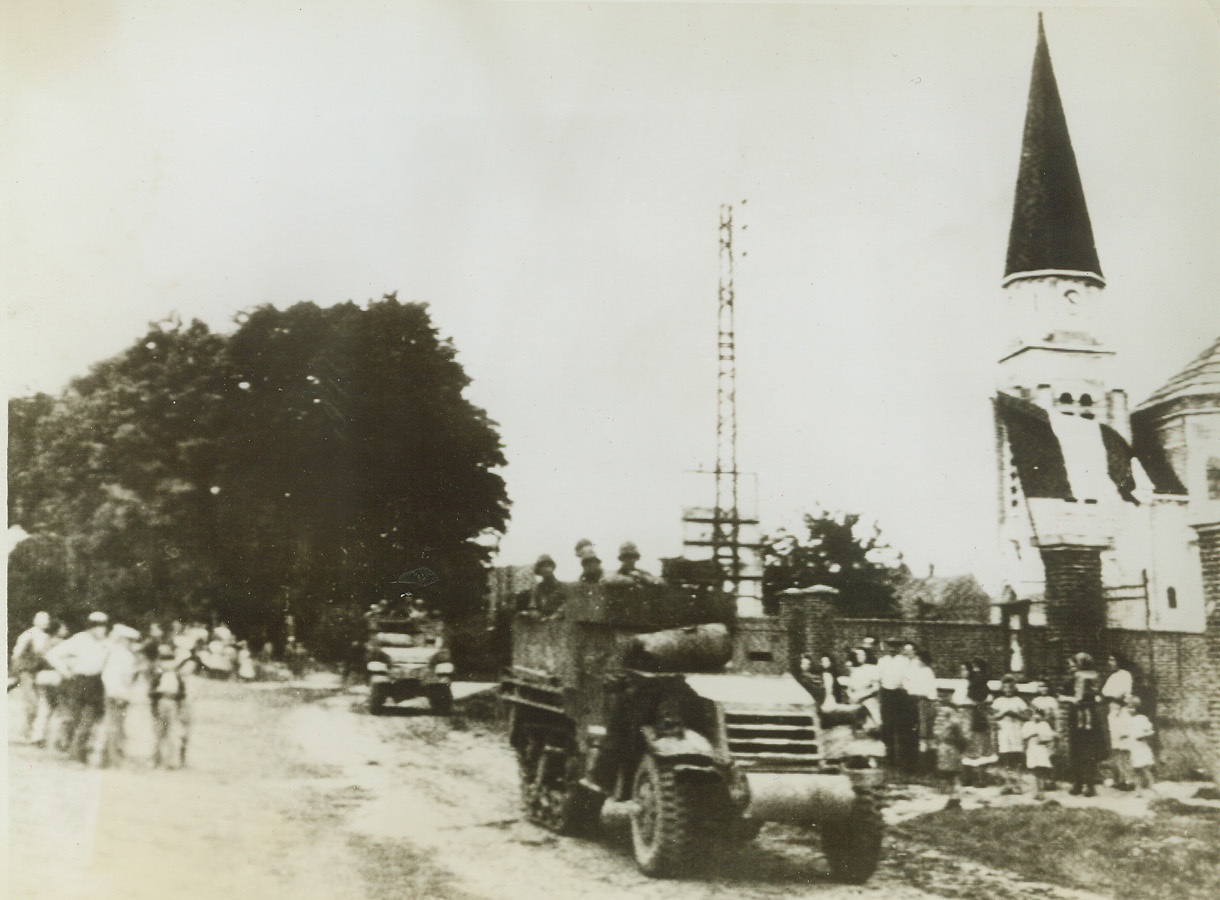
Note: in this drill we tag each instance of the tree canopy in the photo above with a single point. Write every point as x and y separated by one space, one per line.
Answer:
296 467
837 550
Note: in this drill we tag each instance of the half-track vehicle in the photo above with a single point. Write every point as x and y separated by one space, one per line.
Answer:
626 695
406 658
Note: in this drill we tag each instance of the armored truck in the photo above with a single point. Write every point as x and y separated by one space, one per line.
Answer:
626 695
406 657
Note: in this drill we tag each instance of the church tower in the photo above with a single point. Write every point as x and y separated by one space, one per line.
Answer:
1062 460
1055 355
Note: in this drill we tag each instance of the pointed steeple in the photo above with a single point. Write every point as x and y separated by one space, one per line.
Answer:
1051 232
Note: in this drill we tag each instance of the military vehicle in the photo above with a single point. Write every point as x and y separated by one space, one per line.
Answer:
407 658
626 695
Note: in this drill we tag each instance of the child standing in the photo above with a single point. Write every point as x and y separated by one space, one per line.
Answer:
1009 711
1039 738
1139 730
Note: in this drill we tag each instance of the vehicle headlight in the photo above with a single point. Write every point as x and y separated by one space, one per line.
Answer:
376 666
445 668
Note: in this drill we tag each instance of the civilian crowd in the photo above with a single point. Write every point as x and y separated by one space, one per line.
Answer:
77 691
968 723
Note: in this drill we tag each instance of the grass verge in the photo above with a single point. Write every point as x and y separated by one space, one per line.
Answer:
1173 853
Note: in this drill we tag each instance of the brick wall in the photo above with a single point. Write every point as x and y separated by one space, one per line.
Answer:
1075 605
1209 687
950 643
1169 671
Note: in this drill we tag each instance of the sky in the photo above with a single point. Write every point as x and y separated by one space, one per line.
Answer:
548 178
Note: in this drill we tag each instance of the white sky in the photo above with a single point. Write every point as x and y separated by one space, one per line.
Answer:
548 175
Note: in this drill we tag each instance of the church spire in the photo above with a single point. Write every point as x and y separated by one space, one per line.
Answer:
1051 232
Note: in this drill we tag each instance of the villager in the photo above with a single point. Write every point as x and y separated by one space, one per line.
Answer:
171 715
1139 732
1086 738
920 684
906 726
1115 692
1048 706
952 741
245 662
831 689
978 690
863 689
79 660
50 688
119 676
25 663
1083 669
1039 738
1009 711
890 669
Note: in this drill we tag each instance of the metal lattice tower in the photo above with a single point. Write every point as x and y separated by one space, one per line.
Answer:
726 519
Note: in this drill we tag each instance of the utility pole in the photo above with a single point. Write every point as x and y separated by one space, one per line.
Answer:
720 528
726 522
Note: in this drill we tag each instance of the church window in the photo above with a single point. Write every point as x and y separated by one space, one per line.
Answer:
1086 400
1213 478
1171 597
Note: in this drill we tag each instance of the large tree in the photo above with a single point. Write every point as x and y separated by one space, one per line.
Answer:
298 465
838 550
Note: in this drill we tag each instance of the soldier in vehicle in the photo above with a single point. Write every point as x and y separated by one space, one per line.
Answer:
546 599
590 565
628 572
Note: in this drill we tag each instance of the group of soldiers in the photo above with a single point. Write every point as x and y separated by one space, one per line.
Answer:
546 599
77 690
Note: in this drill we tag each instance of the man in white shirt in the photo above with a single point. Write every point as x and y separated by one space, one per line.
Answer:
25 663
80 660
890 671
119 676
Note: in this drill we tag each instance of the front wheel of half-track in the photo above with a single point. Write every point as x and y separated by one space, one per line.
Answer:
853 846
663 826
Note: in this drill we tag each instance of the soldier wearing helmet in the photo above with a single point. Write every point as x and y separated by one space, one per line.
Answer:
546 599
628 572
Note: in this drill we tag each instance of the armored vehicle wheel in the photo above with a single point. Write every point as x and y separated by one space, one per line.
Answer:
377 698
440 699
853 846
663 826
551 792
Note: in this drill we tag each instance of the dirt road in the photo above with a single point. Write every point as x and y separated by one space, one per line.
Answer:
300 793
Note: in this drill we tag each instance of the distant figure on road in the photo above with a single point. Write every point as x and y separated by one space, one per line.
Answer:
245 662
119 676
171 715
27 659
79 660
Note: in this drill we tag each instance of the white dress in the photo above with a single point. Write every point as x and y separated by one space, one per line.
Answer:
1139 729
1038 738
1008 713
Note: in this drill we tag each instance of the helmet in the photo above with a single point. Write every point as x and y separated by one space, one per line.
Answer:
628 550
543 561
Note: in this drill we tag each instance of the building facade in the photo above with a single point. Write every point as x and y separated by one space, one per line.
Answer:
1085 485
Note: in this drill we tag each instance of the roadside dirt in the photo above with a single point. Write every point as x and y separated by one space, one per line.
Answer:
298 792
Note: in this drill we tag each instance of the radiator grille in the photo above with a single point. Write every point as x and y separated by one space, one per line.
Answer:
772 737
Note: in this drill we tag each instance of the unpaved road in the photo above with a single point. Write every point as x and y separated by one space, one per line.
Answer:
298 793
